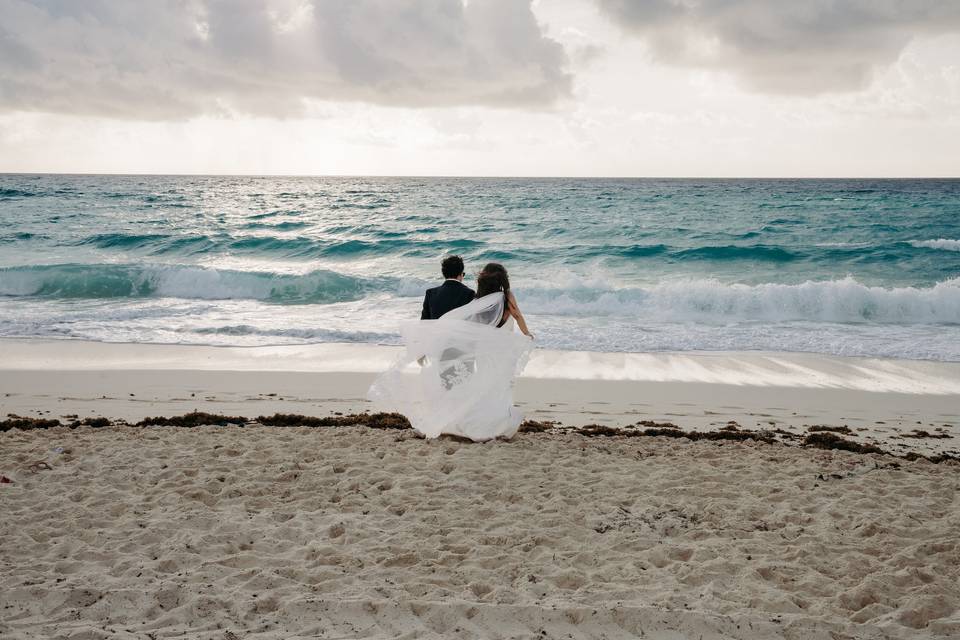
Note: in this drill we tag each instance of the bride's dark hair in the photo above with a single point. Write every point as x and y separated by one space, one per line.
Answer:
491 279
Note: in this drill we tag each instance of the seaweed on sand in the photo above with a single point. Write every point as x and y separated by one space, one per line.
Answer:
14 421
193 419
823 427
372 420
920 433
91 422
826 440
738 435
786 435
594 430
937 459
535 426
657 425
21 422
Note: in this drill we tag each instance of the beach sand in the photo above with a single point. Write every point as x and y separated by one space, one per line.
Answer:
353 532
271 532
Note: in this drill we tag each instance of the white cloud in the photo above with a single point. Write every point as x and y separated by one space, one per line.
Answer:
169 59
624 115
785 46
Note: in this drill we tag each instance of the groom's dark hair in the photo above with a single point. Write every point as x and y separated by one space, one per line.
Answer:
452 267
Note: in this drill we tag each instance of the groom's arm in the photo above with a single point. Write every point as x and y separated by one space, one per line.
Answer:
425 314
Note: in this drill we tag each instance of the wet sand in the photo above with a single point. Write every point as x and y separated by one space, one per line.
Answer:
879 401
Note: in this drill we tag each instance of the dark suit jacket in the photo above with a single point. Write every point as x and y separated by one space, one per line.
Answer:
450 295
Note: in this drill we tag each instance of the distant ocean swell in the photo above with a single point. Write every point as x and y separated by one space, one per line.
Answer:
699 300
285 246
280 240
15 193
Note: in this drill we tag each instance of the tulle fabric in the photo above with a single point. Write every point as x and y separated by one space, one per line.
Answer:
456 374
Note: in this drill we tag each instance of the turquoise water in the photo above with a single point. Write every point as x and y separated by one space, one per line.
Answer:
848 267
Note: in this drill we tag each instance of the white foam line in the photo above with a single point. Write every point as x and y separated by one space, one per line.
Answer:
734 368
940 243
752 369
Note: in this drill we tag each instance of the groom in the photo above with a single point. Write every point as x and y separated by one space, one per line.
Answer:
451 294
436 302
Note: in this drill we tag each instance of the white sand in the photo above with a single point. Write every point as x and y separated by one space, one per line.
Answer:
351 532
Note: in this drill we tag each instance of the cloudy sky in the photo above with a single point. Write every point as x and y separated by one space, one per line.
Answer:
482 87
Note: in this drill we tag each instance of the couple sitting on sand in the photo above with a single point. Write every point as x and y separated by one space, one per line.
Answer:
456 373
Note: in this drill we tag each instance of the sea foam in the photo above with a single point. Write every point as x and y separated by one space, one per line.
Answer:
843 301
704 300
940 243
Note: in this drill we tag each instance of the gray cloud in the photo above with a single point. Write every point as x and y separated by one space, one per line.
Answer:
168 59
785 46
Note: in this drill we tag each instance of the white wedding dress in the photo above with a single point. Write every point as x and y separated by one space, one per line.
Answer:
456 374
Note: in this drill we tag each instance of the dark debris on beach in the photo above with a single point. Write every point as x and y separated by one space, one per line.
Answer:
818 436
823 427
193 419
920 433
534 426
22 422
827 440
371 420
196 419
669 430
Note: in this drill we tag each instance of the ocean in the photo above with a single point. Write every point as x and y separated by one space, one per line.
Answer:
842 267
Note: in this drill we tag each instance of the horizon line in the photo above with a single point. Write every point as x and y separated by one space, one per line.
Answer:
467 176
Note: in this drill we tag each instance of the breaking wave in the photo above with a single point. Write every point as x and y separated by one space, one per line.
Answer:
941 243
840 301
191 282
710 301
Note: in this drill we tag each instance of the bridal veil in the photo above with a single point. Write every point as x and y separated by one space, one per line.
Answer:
456 374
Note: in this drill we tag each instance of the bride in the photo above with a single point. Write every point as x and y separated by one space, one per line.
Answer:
456 373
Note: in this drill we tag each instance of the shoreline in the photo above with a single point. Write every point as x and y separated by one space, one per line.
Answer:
880 402
753 368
